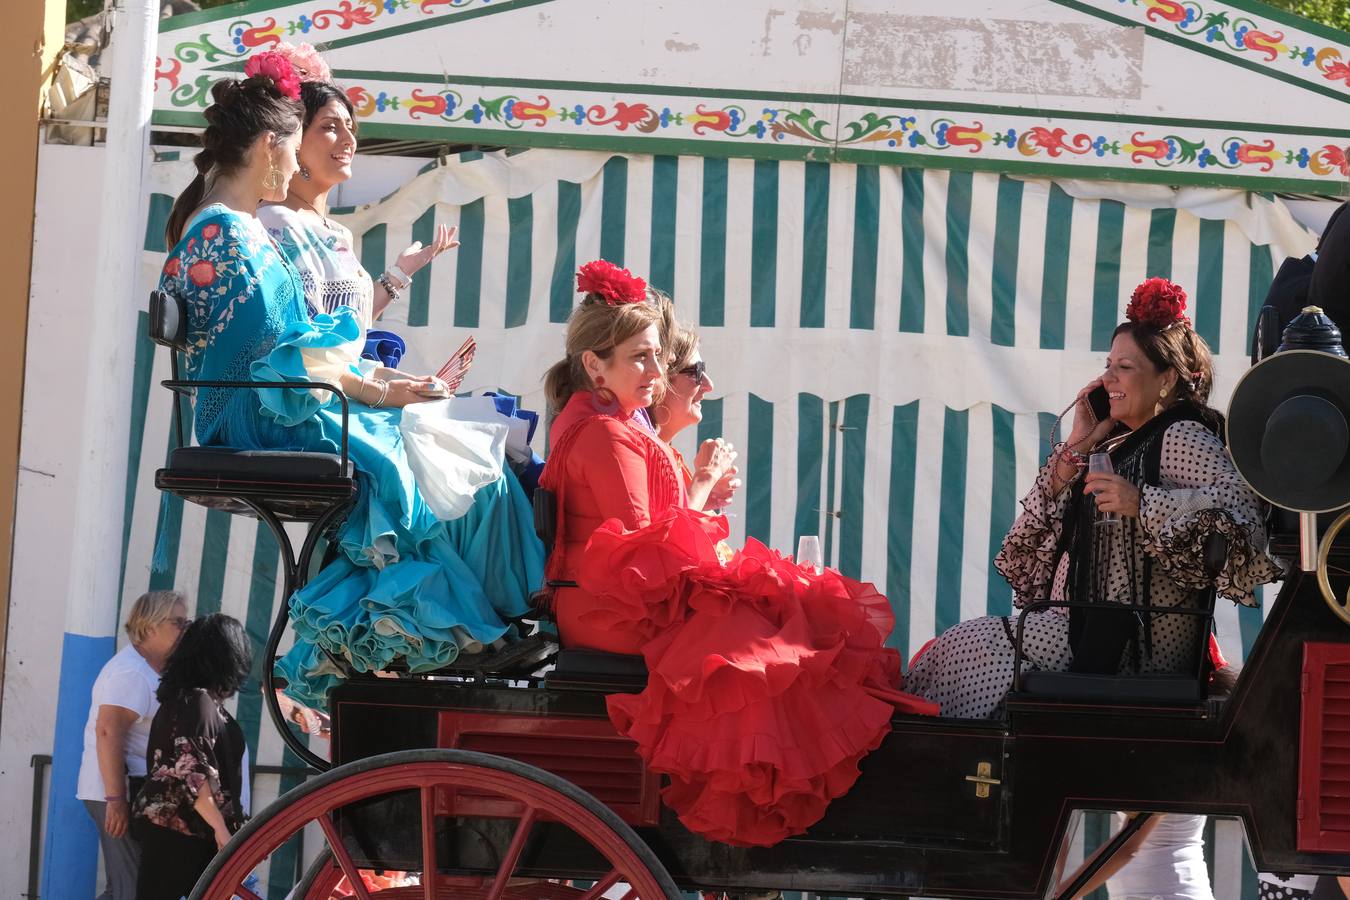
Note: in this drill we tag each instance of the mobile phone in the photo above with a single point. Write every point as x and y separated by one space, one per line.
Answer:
1100 402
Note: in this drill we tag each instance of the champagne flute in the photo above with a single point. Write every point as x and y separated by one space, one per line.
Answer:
1101 462
808 552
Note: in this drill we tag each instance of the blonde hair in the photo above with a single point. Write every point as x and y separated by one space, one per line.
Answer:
151 609
598 327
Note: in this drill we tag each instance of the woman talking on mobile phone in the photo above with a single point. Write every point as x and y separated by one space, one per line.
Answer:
1172 487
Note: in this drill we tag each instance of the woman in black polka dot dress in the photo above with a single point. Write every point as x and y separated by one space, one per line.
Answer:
1174 486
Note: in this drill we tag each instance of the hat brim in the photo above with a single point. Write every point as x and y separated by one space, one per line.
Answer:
1256 397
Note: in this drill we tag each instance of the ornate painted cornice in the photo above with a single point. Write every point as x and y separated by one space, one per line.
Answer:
1248 34
199 48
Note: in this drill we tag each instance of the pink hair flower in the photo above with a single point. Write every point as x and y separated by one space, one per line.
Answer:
306 61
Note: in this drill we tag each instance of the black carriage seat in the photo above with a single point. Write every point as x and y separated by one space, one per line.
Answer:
579 670
273 486
595 670
291 485
1182 689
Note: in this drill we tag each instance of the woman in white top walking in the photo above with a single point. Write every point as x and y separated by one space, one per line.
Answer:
1163 860
118 727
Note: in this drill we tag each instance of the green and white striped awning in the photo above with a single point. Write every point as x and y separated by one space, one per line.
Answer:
890 346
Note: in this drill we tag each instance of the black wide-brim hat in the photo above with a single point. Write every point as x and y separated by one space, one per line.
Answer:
1289 430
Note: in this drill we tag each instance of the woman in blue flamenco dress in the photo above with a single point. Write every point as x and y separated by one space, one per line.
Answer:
405 584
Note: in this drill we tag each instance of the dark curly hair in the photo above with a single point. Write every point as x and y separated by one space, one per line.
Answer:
214 654
241 111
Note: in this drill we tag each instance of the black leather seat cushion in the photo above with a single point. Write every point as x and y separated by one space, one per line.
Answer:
266 465
594 668
1113 688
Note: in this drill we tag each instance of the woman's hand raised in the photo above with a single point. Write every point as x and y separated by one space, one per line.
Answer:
417 256
1087 432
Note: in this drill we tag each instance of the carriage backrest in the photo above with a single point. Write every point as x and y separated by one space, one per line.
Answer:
168 321
545 504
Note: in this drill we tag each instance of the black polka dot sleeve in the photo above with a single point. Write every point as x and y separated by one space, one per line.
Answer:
1027 558
1200 493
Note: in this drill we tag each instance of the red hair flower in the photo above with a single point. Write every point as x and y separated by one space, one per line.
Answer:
278 69
1158 302
611 284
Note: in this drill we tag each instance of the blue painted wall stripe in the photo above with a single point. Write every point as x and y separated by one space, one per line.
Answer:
70 851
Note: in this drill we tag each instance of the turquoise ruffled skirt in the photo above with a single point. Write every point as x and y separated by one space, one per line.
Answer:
405 585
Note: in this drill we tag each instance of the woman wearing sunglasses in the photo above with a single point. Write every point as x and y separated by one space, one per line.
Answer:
712 483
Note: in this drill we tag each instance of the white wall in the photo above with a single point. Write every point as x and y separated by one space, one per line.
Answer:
66 229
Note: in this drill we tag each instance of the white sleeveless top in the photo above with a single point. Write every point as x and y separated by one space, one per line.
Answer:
1169 865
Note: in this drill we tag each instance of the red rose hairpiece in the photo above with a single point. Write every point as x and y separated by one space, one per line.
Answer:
1158 302
606 281
276 68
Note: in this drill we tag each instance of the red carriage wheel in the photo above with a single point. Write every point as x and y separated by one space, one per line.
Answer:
537 797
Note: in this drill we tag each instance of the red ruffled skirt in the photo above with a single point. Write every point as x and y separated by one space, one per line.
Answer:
768 682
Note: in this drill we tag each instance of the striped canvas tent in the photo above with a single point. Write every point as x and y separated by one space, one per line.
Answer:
890 348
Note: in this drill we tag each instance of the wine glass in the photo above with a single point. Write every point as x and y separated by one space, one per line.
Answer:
1101 462
808 552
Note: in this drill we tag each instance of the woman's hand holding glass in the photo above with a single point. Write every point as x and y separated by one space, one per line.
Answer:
716 460
1113 494
724 492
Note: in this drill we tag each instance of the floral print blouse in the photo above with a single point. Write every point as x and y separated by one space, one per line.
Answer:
195 745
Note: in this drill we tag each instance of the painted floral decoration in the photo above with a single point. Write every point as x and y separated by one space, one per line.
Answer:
1158 302
306 62
606 281
277 68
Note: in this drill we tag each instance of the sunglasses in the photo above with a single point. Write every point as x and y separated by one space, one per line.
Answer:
697 371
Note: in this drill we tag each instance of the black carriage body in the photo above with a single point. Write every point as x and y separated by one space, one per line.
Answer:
944 808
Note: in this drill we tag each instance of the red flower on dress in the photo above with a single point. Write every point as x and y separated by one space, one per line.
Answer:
202 272
1158 302
173 267
210 231
278 69
611 284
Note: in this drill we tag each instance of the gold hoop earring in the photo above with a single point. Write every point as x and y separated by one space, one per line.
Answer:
657 419
1162 394
273 180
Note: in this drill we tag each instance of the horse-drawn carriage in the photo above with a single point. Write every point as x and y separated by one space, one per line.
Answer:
510 782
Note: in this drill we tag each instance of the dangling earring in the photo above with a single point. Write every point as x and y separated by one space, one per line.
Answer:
273 181
658 419
1159 407
602 398
304 173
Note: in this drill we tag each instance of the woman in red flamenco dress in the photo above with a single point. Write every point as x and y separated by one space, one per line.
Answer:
768 682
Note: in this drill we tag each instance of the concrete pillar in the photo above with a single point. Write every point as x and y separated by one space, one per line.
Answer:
70 856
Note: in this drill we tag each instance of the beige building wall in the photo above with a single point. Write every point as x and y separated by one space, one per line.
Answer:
29 44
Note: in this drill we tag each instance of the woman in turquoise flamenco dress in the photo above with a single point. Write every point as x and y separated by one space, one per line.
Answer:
405 584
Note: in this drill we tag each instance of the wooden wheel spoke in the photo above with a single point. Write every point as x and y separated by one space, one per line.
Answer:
631 895
512 854
602 885
428 843
245 893
344 859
